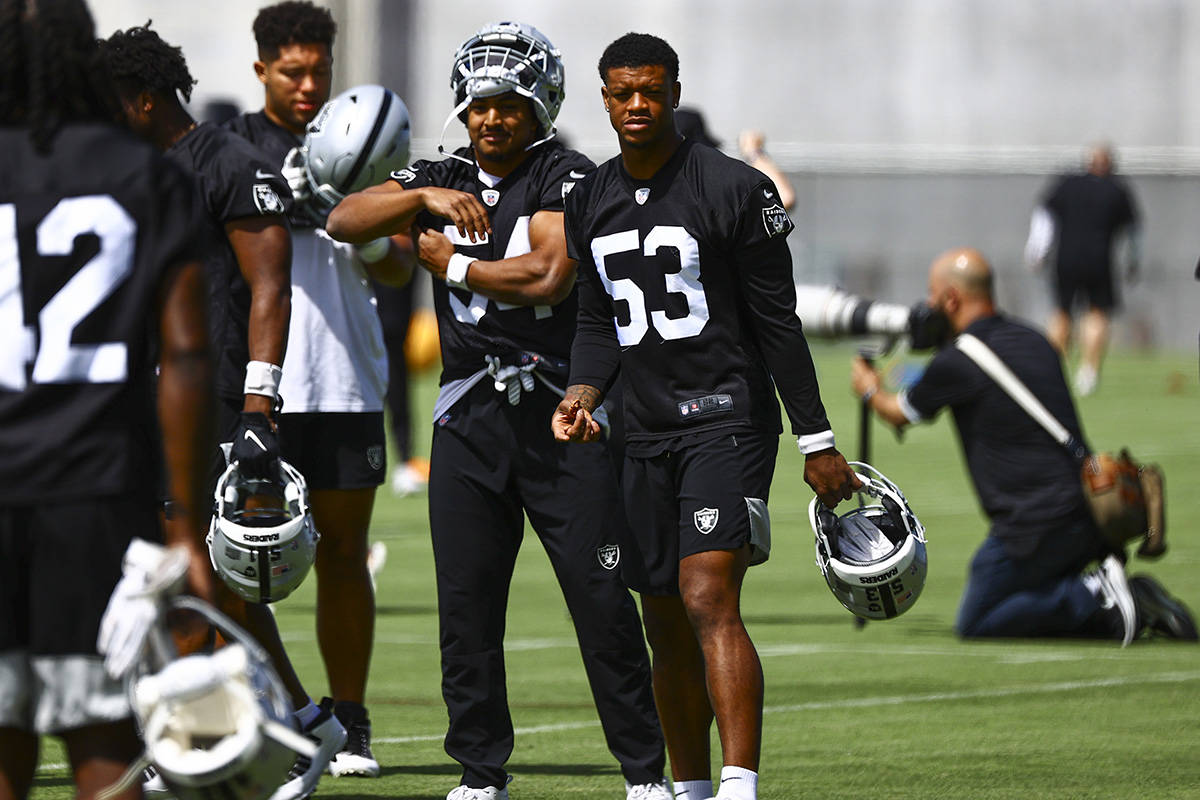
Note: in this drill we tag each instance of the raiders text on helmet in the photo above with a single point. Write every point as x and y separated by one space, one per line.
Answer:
262 540
873 557
509 57
356 140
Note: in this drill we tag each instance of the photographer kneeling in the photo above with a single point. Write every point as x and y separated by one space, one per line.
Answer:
1027 578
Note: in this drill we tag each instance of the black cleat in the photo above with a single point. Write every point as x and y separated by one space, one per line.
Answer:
1160 612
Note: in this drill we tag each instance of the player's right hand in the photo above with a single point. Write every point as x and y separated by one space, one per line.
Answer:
573 423
461 208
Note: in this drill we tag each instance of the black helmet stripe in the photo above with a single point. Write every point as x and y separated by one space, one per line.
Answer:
364 155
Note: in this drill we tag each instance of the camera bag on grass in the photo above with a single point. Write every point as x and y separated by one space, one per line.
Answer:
1127 499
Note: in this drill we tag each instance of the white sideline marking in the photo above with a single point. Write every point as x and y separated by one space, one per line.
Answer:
867 702
847 702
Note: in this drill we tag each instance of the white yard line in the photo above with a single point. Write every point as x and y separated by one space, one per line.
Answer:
849 702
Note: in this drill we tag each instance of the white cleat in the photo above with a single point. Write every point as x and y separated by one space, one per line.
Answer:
1116 593
648 791
329 736
465 792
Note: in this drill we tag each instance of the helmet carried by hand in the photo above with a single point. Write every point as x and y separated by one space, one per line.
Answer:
873 557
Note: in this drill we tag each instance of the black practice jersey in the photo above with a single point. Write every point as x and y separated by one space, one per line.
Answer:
685 281
470 325
273 142
234 181
86 233
1088 212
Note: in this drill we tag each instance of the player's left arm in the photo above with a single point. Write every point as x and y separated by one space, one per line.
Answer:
543 276
263 248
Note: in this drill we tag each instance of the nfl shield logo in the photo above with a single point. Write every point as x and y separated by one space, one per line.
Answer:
375 456
642 195
775 220
490 196
706 519
609 555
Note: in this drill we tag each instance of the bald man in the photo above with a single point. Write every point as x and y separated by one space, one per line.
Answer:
1027 579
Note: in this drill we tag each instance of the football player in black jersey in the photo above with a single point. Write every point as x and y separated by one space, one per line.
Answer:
335 371
490 220
99 280
248 260
686 286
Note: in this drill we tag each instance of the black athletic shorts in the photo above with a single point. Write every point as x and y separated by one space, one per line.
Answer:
1095 289
59 563
335 450
711 495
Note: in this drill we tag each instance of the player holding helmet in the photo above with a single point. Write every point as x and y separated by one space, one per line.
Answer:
492 237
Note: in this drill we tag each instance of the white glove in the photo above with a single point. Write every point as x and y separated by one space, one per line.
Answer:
152 574
293 173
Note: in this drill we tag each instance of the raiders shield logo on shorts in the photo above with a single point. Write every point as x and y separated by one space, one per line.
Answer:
706 519
609 555
375 456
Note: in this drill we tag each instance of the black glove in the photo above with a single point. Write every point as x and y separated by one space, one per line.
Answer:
255 446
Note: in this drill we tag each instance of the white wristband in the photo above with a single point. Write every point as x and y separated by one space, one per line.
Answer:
374 250
262 378
456 271
812 442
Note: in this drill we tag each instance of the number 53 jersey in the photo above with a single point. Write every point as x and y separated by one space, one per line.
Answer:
685 284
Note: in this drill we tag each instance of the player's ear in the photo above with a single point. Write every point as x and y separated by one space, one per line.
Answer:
676 88
260 69
145 102
604 95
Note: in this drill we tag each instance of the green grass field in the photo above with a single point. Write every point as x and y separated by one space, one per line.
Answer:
899 709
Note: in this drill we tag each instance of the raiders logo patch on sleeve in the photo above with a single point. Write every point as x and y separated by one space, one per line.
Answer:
776 220
266 200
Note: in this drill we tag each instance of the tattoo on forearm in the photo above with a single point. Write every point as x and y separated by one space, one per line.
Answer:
589 397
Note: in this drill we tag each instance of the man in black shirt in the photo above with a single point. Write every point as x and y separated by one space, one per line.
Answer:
492 237
686 286
247 257
1085 212
1026 579
101 281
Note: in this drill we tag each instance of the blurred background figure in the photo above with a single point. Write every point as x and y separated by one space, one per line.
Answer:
1084 213
750 147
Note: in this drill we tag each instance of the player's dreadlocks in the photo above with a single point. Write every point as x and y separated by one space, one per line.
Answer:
140 58
292 22
639 50
50 68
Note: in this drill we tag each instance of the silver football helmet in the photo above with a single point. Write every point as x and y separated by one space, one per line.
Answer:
509 57
873 557
356 140
218 725
262 540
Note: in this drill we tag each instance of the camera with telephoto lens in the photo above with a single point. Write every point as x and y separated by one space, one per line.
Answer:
829 312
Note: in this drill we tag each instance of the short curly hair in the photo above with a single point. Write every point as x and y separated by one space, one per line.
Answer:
639 50
139 58
292 22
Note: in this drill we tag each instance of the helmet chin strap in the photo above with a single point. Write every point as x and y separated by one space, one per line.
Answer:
461 107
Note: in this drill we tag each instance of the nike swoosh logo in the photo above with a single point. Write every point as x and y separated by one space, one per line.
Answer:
258 173
252 436
733 778
767 194
578 175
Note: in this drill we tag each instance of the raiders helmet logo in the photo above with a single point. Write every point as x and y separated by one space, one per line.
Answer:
375 456
265 199
706 519
642 195
775 220
609 555
490 196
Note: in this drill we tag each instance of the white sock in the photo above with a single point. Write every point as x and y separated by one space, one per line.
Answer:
306 714
693 790
738 784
